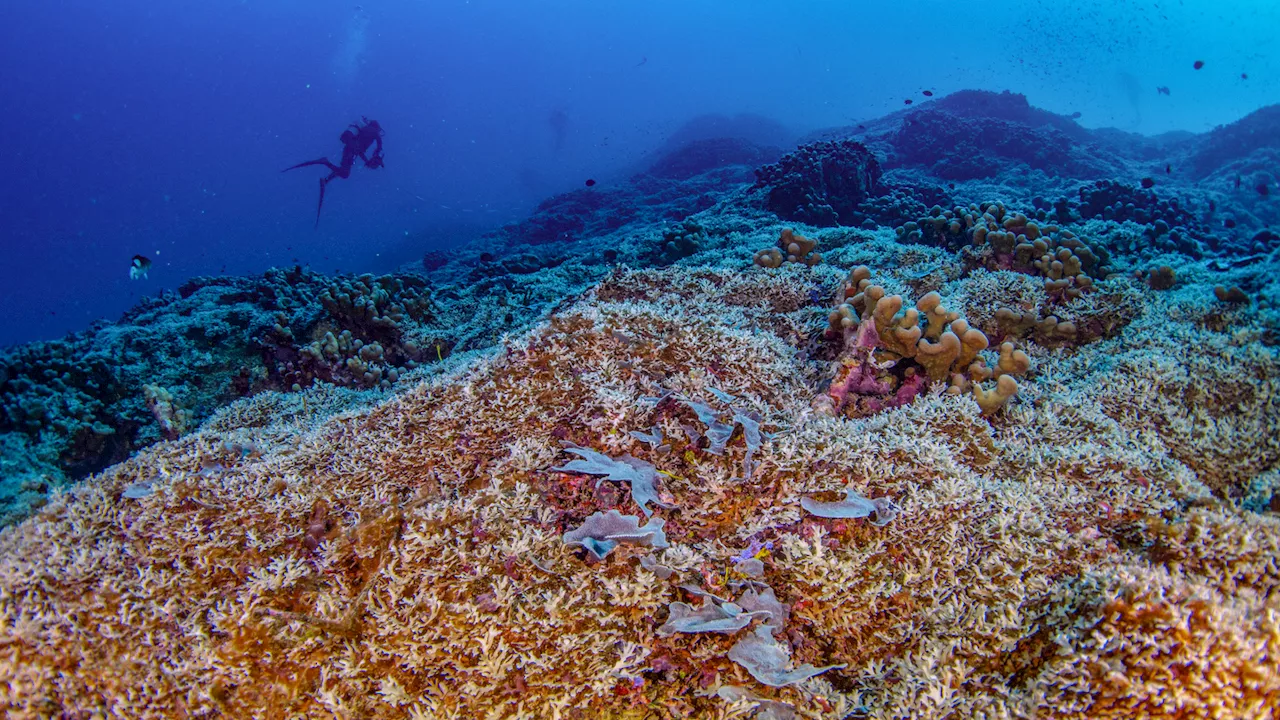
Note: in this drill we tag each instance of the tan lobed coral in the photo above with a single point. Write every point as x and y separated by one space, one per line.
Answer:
1067 558
876 338
792 248
171 417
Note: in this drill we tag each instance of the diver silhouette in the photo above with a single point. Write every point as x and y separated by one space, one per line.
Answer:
356 140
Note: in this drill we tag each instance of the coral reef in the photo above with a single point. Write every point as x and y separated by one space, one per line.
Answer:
1112 200
1076 555
92 399
887 359
1256 133
958 149
698 157
792 248
820 184
974 135
680 184
1026 469
679 242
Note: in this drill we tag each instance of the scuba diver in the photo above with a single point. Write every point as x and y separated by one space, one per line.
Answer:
356 140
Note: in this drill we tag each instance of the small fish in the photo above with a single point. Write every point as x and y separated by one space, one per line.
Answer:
1237 182
1198 64
1076 115
1168 169
1263 190
1228 223
1244 76
927 93
1163 90
590 182
1213 206
643 59
139 266
1148 183
907 101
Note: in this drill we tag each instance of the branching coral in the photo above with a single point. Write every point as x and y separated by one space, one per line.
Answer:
409 559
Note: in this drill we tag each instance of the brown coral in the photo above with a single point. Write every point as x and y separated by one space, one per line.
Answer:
793 248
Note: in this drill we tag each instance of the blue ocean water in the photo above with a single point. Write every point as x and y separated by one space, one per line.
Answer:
161 128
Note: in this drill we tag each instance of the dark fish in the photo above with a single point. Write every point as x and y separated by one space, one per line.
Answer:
1199 64
928 93
1229 223
1076 115
1163 90
1237 182
139 266
1244 76
1148 183
1168 169
1263 190
1212 206
907 101
590 182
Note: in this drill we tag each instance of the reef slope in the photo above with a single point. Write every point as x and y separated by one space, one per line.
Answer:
1067 557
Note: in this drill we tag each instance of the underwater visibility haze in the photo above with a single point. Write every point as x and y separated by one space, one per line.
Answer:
640 360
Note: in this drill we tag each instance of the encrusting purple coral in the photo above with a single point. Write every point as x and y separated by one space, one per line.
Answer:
860 379
718 432
604 531
712 616
854 505
639 473
769 661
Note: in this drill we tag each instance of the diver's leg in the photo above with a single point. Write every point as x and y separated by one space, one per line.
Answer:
323 182
322 161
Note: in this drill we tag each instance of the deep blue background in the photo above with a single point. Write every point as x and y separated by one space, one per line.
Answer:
160 128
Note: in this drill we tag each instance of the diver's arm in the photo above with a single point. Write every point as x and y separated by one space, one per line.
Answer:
376 160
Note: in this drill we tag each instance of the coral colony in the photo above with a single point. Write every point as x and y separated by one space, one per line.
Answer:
955 420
